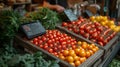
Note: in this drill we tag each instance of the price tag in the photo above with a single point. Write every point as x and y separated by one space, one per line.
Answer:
32 29
70 15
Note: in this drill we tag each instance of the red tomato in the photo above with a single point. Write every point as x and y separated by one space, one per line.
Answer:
70 25
97 24
54 35
51 45
41 46
63 46
76 30
51 37
73 22
39 37
61 40
95 35
100 43
47 35
82 32
49 41
64 43
68 41
58 33
40 41
73 46
59 46
55 44
64 34
55 53
50 50
36 43
66 37
72 43
55 49
45 47
56 39
64 24
92 26
78 22
35 40
75 42
53 40
49 31
70 29
86 35
101 38
44 38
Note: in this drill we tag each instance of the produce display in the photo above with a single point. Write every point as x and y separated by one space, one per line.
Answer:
65 47
105 21
93 31
98 29
78 55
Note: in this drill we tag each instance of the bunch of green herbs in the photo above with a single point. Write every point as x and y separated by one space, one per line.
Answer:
48 17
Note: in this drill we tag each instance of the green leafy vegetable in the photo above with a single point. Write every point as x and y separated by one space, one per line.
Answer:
48 17
115 63
9 23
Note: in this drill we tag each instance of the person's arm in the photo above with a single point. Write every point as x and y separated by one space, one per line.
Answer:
58 8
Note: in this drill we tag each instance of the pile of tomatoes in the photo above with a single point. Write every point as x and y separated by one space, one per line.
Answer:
54 41
65 47
78 55
92 31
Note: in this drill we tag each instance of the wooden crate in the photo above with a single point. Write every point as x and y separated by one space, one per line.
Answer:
31 47
105 48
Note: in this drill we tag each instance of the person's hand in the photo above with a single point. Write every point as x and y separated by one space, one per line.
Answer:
59 8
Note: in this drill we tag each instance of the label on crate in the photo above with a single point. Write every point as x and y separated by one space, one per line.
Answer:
70 15
32 29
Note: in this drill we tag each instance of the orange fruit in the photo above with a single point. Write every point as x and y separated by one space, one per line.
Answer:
65 52
62 57
71 52
84 42
76 58
97 48
92 18
93 45
81 48
82 59
90 47
77 50
79 42
84 46
72 63
82 53
94 50
91 52
77 63
88 54
69 59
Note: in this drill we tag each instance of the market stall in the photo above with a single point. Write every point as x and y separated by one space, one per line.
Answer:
40 37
